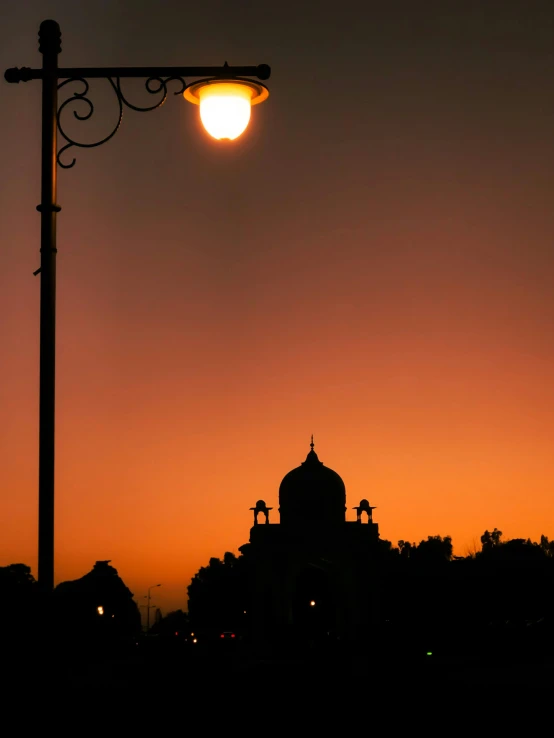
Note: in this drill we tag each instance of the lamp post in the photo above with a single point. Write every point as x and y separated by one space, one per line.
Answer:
224 94
148 607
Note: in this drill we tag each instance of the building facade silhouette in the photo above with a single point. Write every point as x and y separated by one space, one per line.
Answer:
313 573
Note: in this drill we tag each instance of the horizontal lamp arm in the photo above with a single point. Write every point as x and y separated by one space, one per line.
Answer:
25 74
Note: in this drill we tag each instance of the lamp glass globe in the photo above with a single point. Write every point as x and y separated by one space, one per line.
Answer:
225 109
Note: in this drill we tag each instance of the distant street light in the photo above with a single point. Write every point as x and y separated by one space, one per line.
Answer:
224 95
148 606
100 610
312 603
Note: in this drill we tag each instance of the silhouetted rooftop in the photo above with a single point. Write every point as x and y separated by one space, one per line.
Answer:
312 493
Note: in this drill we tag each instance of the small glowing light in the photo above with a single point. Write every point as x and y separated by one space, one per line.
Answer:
192 634
195 640
312 603
225 105
222 635
429 653
245 612
232 635
100 610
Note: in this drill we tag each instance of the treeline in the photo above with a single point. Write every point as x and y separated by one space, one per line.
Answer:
97 604
504 582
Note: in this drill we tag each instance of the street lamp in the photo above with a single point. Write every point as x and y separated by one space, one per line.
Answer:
148 606
224 94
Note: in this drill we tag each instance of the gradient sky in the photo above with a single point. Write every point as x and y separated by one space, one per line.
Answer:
372 263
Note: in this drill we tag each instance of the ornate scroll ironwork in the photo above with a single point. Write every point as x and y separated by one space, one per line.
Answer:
153 85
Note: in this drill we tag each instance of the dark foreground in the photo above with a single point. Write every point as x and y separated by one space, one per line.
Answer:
409 665
157 689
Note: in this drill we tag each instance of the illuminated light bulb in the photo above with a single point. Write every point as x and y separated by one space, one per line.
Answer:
225 105
225 109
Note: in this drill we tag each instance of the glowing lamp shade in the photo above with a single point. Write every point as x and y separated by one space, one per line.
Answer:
225 109
225 105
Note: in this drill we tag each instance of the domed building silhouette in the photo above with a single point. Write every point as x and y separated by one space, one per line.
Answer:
312 494
312 571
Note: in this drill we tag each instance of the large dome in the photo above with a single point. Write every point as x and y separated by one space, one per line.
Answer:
312 493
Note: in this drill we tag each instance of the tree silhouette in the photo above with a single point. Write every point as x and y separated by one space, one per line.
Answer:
490 541
218 594
98 603
435 550
19 593
406 549
16 578
547 547
175 623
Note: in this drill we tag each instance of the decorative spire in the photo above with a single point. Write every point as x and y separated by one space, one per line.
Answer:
311 458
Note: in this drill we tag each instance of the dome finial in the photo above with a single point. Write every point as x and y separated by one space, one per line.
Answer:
312 443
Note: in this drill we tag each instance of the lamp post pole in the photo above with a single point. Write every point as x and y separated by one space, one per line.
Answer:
157 80
148 607
50 47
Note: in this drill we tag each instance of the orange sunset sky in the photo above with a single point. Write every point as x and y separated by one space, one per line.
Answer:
371 263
